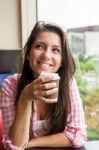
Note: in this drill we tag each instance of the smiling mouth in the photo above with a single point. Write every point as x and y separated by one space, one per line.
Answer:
44 65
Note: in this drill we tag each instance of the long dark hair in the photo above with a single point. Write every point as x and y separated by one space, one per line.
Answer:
59 111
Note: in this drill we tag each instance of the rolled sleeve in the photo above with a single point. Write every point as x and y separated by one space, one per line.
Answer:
9 146
77 136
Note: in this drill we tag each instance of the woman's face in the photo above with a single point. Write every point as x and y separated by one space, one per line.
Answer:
46 53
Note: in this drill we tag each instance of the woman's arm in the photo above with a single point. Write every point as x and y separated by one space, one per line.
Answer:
54 140
19 131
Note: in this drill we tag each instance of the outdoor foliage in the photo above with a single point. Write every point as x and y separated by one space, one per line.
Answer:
87 65
90 97
91 108
93 134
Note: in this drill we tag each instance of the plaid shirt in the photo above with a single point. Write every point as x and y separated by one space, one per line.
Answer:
75 128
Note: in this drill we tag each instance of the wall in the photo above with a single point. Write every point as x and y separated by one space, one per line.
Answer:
10 24
17 17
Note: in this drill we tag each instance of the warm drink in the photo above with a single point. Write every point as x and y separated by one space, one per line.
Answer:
56 79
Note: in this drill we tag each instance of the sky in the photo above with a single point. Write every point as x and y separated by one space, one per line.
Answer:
69 13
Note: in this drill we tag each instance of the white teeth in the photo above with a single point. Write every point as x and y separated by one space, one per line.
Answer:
45 65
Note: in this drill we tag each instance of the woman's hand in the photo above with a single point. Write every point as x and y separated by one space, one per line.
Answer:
40 88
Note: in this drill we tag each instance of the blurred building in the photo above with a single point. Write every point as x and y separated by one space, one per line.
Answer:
91 43
76 42
84 40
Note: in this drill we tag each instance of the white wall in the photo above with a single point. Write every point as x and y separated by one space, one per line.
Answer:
17 17
10 23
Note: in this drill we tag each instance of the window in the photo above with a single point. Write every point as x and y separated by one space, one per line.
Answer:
81 20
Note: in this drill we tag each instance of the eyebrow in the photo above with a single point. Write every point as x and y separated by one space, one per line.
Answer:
58 46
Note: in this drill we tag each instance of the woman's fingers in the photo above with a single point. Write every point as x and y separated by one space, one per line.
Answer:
47 86
43 83
49 92
43 87
51 100
39 93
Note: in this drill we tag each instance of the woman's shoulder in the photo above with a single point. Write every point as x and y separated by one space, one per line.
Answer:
74 90
72 82
10 81
15 76
8 90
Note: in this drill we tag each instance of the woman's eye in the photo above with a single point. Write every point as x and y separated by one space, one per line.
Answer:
39 46
56 50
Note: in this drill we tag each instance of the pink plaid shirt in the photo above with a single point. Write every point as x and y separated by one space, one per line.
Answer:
75 128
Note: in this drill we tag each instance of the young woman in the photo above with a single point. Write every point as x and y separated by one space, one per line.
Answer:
30 119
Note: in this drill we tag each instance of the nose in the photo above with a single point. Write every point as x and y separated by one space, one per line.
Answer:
47 54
